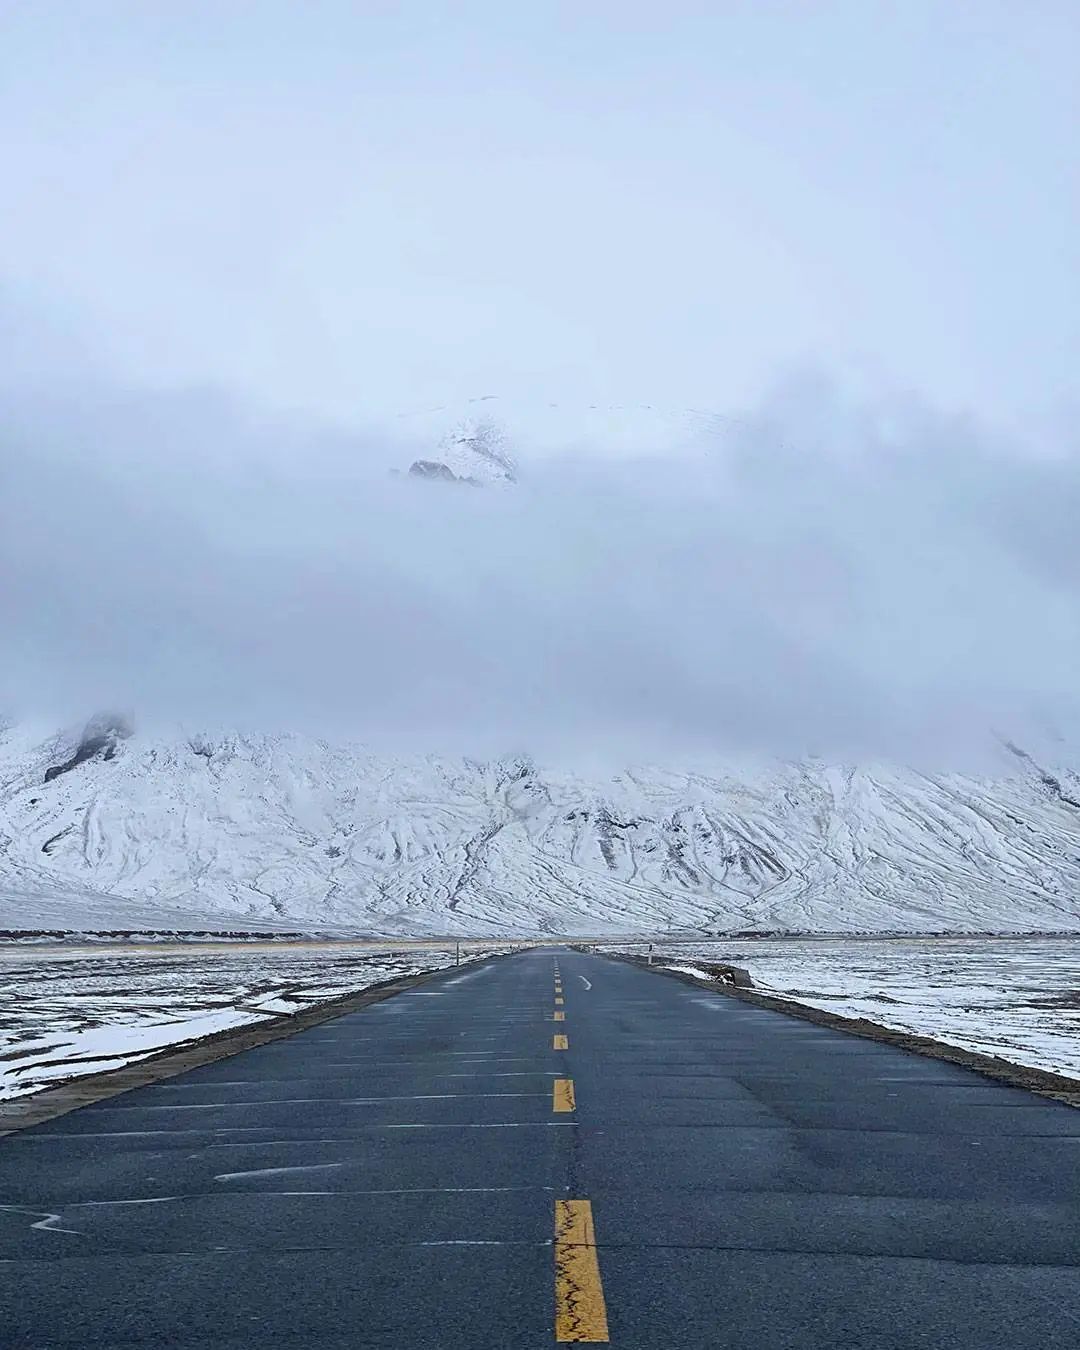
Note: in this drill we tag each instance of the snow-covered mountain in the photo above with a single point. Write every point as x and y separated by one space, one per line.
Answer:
476 452
110 829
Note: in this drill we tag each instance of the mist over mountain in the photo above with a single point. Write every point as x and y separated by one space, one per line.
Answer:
817 574
807 668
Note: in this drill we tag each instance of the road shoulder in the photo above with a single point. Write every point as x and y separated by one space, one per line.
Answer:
20 1113
1041 1081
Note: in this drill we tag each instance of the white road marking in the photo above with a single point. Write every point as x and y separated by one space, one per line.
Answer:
45 1220
276 1171
479 1242
501 1125
437 1190
584 981
514 1073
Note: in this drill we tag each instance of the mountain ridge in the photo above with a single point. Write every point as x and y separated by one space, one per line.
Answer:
288 830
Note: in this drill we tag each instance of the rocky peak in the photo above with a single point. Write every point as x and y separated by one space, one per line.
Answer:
433 470
474 452
100 739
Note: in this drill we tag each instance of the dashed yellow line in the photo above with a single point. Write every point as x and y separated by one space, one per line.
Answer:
563 1095
580 1311
560 1017
560 1043
558 1001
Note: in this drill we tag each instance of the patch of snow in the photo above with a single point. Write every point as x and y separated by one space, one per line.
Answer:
64 1014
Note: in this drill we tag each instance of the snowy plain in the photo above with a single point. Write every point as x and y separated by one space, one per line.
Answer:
63 1014
1016 998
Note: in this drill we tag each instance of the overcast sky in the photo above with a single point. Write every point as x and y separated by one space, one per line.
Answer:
361 208
241 240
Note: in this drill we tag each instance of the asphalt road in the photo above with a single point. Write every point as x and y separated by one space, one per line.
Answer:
431 1171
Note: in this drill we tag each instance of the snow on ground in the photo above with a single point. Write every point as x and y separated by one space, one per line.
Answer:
1016 998
65 1013
696 971
224 830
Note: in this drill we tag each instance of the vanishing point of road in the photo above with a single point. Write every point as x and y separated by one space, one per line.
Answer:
543 1148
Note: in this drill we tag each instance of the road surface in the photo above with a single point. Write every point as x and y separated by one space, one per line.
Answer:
474 1163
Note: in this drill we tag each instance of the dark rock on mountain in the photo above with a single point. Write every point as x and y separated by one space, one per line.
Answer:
433 470
100 737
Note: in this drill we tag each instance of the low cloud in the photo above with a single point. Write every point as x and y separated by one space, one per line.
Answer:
822 574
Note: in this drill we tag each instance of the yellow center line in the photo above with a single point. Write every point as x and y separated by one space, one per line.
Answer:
563 1095
560 1017
558 1001
580 1311
560 1043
